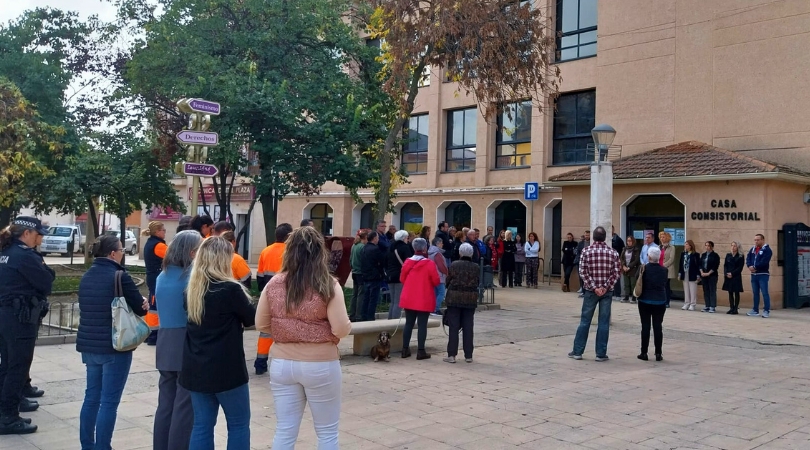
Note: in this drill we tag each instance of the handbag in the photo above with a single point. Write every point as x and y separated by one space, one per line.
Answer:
128 329
639 288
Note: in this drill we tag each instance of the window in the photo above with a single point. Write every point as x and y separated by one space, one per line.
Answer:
576 29
513 139
573 122
321 216
415 148
461 140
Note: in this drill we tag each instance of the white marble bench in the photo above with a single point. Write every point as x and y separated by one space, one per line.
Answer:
366 333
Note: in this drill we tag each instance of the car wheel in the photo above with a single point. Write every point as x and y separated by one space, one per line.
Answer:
134 250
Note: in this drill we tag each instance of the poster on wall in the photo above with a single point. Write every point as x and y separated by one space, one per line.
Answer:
513 230
803 280
638 235
678 235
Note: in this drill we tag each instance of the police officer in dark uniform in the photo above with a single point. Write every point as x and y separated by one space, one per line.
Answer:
26 284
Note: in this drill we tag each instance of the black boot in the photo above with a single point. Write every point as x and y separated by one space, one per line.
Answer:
659 357
422 354
32 391
28 405
642 356
17 425
406 352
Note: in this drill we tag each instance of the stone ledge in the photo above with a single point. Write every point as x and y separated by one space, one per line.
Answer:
56 340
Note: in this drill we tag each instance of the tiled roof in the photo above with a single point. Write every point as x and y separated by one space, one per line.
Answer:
686 159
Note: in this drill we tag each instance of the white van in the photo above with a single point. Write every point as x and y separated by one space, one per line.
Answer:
63 239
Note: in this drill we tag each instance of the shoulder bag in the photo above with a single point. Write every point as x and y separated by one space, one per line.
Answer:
639 285
128 329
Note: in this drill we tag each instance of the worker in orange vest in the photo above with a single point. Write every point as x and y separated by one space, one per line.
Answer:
269 265
153 253
240 268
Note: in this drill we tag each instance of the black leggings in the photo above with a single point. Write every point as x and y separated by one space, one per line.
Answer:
412 317
655 314
734 300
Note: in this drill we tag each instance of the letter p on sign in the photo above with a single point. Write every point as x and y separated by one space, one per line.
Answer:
531 191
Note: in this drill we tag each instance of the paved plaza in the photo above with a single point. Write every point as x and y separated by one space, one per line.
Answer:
726 382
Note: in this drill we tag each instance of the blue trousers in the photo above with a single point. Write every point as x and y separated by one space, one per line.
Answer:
589 302
236 405
106 377
759 283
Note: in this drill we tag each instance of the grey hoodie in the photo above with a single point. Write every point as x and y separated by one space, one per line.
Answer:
432 252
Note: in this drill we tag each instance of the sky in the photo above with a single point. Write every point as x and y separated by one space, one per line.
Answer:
11 9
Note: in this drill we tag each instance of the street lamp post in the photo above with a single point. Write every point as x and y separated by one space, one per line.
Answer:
602 178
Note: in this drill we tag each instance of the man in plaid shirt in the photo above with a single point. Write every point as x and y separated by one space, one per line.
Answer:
599 269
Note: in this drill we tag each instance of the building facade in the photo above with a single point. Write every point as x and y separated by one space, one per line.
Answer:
730 74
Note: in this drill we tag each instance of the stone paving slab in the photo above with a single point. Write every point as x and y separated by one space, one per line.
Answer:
727 382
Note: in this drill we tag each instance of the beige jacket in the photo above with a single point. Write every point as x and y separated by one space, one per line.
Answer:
669 260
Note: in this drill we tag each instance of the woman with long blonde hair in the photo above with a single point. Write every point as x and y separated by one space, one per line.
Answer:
303 309
214 369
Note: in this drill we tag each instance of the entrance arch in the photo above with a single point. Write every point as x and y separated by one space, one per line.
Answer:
362 217
455 212
507 214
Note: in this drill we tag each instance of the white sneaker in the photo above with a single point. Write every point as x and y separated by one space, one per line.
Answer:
691 307
711 310
685 307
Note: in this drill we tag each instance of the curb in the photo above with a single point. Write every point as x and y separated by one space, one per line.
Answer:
56 340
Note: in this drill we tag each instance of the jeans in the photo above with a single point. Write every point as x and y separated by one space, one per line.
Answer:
236 405
411 318
106 377
759 283
567 269
16 353
710 291
589 302
357 295
651 314
460 319
174 418
394 311
440 291
371 297
296 383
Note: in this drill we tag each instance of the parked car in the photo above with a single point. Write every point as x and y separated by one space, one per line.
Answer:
63 239
130 242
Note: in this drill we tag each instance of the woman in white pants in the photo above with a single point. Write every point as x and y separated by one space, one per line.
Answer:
688 271
303 309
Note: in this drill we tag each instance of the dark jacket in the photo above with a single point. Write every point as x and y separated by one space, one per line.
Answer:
447 243
733 265
153 263
760 260
23 273
654 284
635 261
711 260
476 257
372 262
617 243
508 259
694 266
569 252
217 341
399 251
96 293
580 247
454 256
462 284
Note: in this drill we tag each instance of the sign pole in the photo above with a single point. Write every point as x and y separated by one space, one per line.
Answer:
199 111
531 216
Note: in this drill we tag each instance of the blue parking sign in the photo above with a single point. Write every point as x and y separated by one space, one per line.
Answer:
531 191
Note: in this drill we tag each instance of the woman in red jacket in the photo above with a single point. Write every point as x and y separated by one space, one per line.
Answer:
419 279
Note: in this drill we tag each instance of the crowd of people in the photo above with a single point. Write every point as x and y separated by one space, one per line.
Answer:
626 272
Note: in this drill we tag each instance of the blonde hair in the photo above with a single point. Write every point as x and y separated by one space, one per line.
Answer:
152 228
212 264
508 235
306 264
665 236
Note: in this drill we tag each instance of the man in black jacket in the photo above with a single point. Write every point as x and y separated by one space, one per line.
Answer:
476 257
372 263
447 243
618 245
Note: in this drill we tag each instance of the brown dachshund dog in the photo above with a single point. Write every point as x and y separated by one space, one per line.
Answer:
383 347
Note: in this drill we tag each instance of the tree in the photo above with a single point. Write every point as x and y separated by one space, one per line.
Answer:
286 74
21 132
495 50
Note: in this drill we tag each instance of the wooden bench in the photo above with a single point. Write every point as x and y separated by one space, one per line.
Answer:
366 333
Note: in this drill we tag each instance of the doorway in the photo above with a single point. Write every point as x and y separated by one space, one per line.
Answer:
556 239
511 215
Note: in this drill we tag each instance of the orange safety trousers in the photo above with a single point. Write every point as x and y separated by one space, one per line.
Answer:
152 318
263 346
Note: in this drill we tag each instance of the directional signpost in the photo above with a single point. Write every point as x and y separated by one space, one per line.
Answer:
200 170
531 193
205 138
198 139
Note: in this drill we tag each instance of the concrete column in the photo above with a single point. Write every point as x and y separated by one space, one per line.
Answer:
602 195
